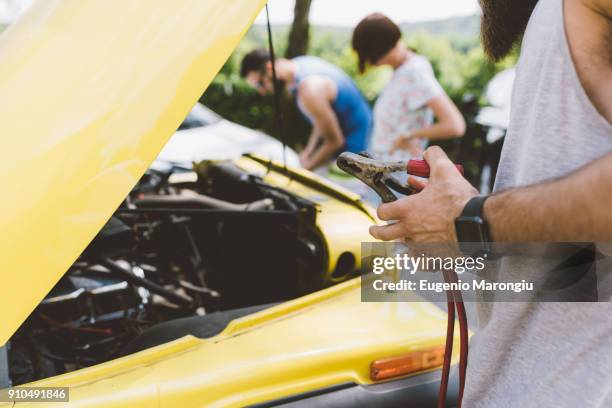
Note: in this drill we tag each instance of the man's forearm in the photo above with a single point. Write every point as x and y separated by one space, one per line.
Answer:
320 155
313 140
577 207
330 135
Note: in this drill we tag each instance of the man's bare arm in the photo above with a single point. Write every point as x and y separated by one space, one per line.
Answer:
574 208
316 96
313 141
577 207
588 24
602 7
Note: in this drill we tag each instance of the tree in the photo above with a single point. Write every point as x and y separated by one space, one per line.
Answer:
299 35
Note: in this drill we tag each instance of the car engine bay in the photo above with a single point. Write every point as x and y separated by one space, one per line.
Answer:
184 242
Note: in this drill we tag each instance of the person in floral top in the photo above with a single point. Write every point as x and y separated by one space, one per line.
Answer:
412 108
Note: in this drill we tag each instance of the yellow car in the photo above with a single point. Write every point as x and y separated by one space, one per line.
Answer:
112 81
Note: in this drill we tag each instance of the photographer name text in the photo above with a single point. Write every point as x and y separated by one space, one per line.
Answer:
425 285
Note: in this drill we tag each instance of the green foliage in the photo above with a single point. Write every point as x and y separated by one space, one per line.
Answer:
461 72
459 64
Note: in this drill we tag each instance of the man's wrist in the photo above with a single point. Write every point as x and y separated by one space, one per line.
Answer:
489 213
471 227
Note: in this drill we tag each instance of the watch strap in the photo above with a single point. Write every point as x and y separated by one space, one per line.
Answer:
474 207
474 210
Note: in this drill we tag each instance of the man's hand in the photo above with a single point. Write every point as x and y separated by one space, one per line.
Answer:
428 216
304 159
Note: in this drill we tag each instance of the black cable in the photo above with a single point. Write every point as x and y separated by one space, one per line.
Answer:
277 105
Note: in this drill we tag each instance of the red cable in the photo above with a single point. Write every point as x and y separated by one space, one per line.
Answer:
463 333
448 349
454 301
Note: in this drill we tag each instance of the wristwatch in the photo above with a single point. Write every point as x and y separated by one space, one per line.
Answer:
472 229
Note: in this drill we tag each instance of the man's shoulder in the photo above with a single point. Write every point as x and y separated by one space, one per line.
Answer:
316 87
315 83
306 58
602 7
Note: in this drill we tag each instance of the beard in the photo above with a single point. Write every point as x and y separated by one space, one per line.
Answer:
503 24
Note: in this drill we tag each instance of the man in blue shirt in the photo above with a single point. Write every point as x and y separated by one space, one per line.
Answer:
340 116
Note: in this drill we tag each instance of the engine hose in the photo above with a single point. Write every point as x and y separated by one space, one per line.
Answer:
173 297
200 200
454 302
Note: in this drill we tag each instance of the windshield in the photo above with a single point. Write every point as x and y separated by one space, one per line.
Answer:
199 116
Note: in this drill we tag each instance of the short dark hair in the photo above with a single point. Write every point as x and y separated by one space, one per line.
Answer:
373 37
255 60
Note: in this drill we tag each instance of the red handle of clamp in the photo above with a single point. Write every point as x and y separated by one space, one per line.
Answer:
420 168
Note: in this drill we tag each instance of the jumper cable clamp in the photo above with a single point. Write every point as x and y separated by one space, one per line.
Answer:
377 174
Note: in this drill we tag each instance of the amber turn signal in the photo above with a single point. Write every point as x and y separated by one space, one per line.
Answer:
407 363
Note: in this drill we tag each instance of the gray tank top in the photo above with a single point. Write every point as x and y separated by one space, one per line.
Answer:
544 354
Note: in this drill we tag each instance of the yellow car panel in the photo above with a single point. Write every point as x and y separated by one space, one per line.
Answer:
333 339
90 92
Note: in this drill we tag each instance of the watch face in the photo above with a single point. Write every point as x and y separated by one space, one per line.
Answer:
470 229
471 235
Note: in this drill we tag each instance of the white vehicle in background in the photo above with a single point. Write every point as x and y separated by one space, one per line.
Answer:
204 135
494 118
498 95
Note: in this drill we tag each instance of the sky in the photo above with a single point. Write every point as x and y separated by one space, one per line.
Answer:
10 9
350 12
332 12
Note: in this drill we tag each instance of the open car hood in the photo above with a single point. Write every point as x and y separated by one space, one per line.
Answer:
90 92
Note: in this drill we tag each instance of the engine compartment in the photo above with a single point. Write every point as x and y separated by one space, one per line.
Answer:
184 242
